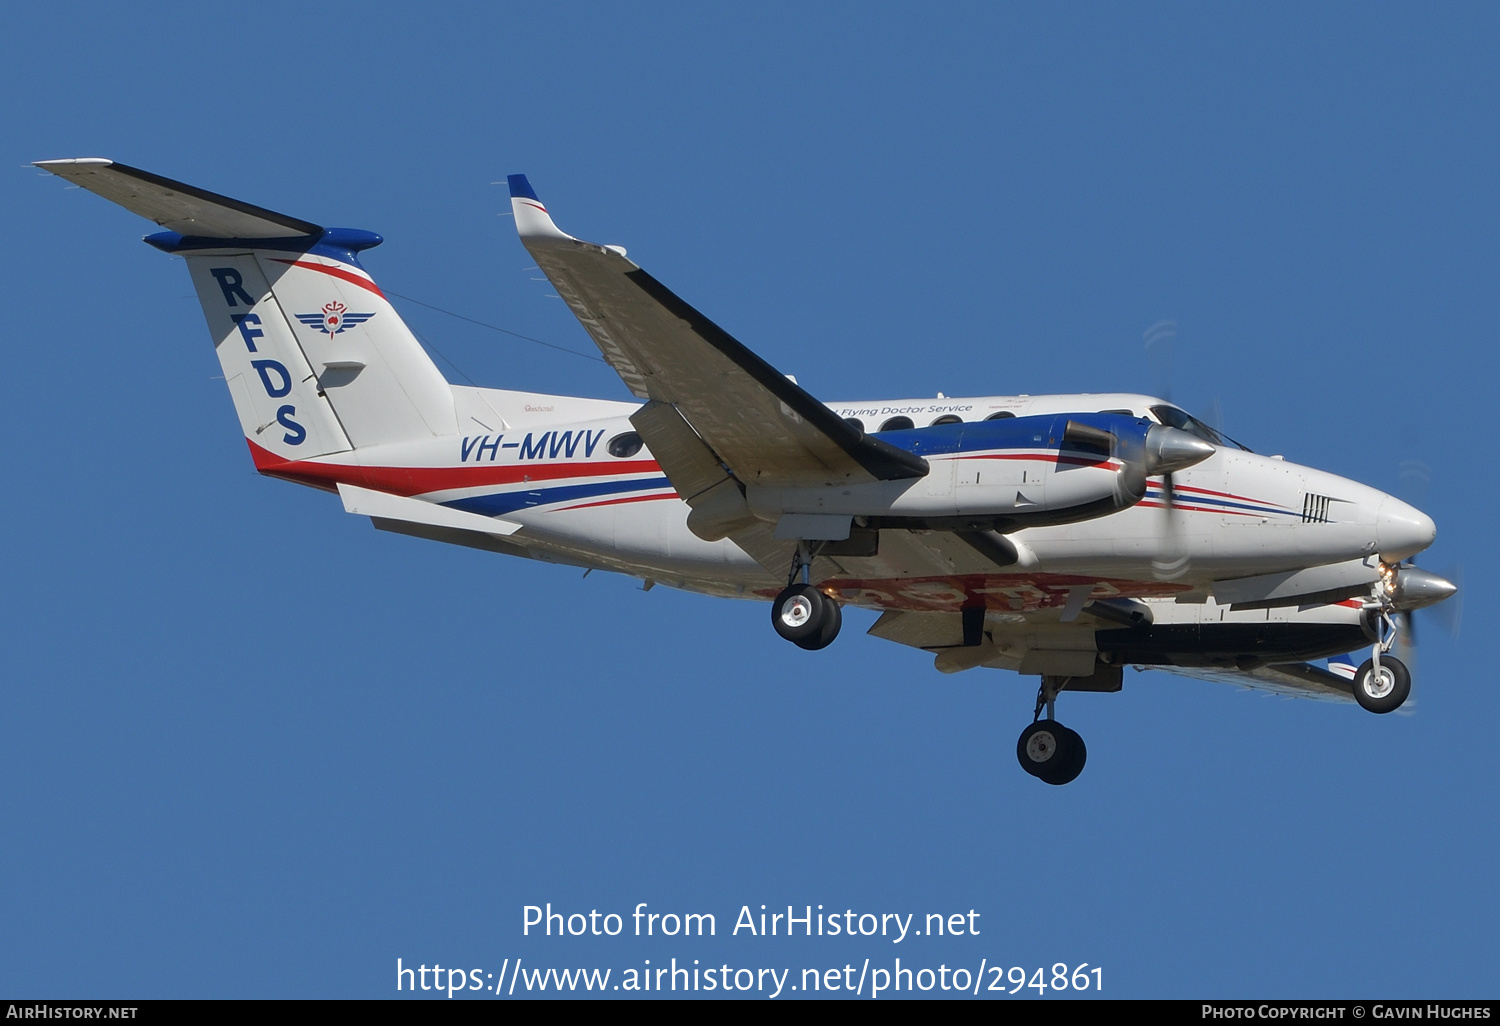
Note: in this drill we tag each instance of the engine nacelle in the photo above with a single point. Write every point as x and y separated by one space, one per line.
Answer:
1003 474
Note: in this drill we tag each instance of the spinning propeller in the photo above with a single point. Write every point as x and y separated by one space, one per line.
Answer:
1438 598
1161 350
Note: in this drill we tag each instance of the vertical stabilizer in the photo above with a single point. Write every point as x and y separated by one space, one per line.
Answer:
275 391
316 358
354 353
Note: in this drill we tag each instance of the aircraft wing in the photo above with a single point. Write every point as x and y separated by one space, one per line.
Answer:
761 425
1290 680
941 633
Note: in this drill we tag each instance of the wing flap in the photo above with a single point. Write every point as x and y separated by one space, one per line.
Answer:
715 499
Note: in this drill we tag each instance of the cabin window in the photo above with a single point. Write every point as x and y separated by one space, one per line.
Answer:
626 445
1002 415
1171 416
897 424
855 423
947 418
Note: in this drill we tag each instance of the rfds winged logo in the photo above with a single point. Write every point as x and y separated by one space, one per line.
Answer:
334 319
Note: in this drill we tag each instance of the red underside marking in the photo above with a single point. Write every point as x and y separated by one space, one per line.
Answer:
337 272
1351 603
616 502
421 480
1014 593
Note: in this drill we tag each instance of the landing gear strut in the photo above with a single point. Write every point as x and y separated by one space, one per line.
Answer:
1382 681
1046 749
802 614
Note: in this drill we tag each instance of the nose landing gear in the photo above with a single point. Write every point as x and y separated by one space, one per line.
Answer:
1046 749
1382 687
802 614
1382 682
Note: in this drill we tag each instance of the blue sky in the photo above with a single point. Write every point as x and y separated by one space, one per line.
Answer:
255 748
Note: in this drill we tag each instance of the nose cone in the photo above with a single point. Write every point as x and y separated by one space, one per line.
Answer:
1169 449
1402 531
1417 588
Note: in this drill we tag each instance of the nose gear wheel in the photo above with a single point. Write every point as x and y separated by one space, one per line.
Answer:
1383 687
1382 682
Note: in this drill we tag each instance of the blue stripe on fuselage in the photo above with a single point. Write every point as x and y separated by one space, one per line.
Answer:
1182 498
1040 432
499 503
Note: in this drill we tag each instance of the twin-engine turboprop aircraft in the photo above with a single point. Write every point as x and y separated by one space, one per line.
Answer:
1061 536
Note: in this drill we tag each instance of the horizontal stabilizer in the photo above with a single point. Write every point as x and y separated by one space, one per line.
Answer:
370 503
182 208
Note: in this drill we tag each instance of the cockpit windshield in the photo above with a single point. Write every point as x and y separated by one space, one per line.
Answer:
1171 416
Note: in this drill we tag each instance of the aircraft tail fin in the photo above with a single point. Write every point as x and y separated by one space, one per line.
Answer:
317 359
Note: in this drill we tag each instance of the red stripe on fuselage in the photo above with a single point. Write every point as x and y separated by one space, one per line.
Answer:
421 480
616 502
1209 509
1225 495
337 272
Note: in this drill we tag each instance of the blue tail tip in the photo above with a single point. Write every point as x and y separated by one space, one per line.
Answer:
520 188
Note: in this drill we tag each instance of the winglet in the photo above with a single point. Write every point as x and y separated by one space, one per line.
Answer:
532 219
520 188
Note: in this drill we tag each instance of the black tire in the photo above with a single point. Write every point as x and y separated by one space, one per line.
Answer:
1075 753
1386 692
1051 752
833 619
798 614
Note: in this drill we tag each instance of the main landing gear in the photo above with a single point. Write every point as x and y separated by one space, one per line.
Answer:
1382 681
802 614
1047 750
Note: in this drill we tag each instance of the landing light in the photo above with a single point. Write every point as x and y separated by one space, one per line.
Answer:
1388 578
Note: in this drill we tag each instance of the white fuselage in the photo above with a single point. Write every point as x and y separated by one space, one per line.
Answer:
545 463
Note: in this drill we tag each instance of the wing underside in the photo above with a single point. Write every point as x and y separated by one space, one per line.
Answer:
1290 680
1041 641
